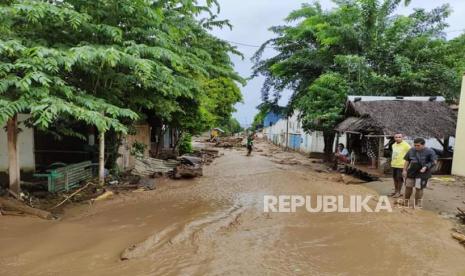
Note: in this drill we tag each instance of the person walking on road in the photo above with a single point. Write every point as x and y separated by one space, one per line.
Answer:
250 140
399 150
419 162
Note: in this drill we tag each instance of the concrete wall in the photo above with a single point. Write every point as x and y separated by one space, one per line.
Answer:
309 142
25 147
458 165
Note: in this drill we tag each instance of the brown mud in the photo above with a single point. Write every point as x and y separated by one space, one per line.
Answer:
215 225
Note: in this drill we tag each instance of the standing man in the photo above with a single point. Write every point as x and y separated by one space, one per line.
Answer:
419 162
399 150
250 139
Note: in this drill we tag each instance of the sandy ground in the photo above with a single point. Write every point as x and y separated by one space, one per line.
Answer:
215 225
442 196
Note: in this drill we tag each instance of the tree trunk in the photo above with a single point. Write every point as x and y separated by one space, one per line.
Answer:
19 206
328 137
101 159
13 159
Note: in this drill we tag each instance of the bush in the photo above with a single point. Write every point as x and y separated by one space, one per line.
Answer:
185 145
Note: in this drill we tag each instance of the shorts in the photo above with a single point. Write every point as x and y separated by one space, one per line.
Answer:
397 174
410 183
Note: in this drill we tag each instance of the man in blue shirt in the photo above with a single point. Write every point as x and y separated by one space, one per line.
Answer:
419 162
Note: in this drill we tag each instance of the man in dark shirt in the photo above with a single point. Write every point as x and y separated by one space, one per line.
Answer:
419 162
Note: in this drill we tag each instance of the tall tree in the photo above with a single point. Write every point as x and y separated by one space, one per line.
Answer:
364 45
108 63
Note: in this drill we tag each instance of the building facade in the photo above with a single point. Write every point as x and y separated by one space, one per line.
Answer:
458 165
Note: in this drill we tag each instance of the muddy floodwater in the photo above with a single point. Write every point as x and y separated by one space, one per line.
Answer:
215 225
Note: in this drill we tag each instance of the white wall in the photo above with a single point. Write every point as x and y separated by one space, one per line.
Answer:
310 142
25 147
458 165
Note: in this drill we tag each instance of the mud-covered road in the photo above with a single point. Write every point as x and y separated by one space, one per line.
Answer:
215 225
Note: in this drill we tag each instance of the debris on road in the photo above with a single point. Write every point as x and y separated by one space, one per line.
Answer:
18 207
348 179
458 236
229 142
104 196
461 215
148 166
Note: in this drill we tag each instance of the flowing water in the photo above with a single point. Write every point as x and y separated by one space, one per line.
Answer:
215 225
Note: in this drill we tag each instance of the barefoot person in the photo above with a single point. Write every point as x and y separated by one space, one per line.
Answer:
419 162
399 150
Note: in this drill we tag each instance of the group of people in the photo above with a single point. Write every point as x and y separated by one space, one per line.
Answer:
411 166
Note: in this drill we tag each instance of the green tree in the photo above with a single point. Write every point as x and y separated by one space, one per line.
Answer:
109 63
374 51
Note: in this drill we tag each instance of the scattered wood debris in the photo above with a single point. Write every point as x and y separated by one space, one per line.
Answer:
104 196
461 215
12 206
148 166
229 142
348 179
456 234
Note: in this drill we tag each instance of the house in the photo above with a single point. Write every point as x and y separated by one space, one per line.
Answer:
287 132
38 150
375 120
458 166
271 118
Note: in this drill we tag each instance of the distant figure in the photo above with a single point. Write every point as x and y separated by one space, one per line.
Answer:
342 154
372 151
399 150
250 140
419 162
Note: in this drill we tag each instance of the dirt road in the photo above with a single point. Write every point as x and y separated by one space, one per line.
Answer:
216 225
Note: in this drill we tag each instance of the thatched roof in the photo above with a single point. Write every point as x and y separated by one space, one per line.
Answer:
427 119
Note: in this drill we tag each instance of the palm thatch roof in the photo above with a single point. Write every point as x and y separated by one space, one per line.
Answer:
427 119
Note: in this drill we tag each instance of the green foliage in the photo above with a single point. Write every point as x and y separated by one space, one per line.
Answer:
230 126
138 149
185 144
360 47
109 63
323 102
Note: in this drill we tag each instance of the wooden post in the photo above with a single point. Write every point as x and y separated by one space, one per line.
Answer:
101 159
380 153
287 133
13 159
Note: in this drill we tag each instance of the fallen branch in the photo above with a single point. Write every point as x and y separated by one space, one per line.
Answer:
19 206
71 195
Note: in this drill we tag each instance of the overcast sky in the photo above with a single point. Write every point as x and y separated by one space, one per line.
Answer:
252 18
